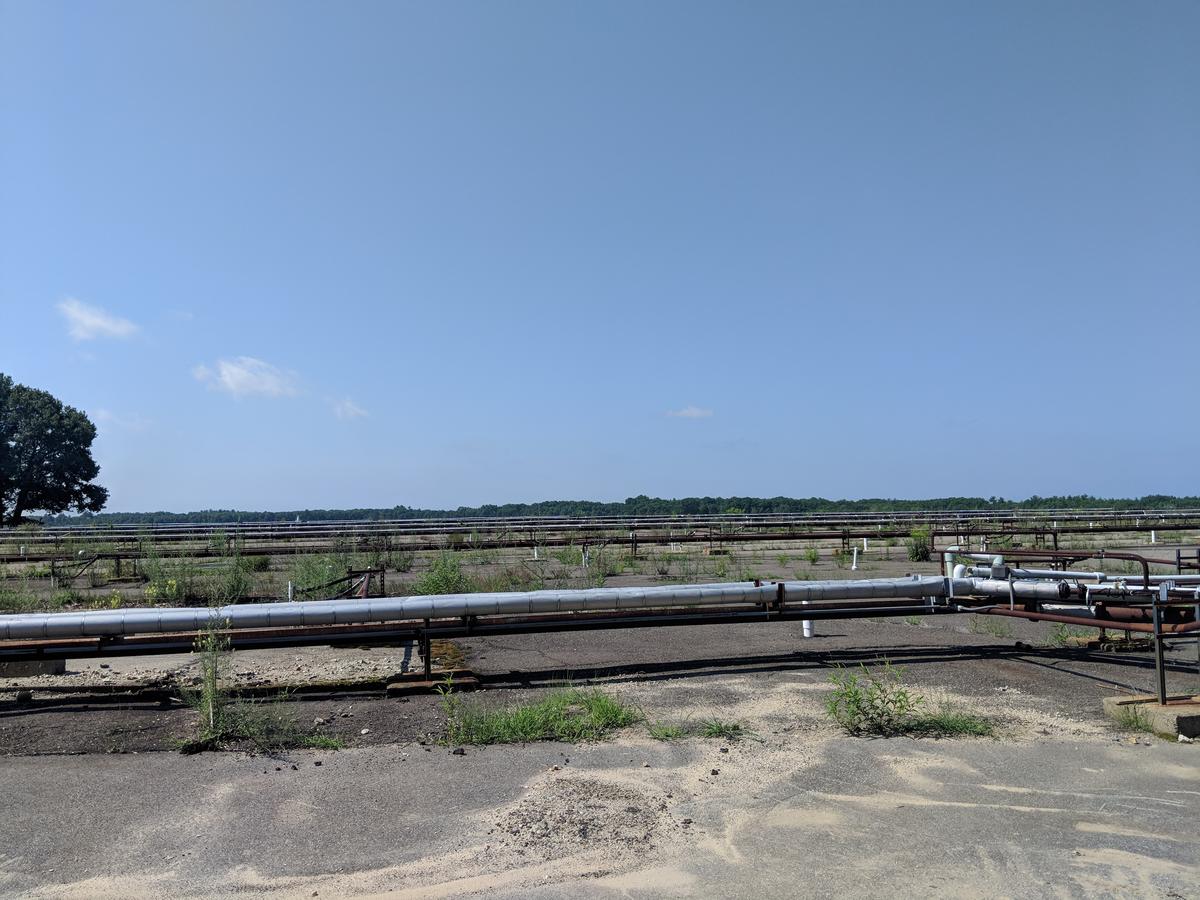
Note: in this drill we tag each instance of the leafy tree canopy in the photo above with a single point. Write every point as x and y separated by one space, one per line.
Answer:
46 460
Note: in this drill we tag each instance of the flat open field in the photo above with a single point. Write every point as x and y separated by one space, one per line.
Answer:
165 575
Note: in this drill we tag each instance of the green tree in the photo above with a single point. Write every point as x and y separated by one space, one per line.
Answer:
45 455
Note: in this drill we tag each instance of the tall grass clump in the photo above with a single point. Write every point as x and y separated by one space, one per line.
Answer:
566 714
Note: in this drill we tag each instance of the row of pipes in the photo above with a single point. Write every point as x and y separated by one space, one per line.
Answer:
967 589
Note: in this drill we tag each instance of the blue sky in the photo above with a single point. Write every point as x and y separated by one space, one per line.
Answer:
309 254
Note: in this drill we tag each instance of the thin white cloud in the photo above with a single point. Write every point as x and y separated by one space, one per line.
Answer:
690 412
348 409
245 376
86 322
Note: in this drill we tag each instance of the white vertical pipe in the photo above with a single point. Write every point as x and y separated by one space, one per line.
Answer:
854 563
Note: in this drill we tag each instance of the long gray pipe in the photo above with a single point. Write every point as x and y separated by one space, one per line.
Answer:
342 612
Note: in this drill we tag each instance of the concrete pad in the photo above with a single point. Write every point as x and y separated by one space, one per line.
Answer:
27 669
1181 715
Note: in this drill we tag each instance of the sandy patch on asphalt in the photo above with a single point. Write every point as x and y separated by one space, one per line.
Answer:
628 827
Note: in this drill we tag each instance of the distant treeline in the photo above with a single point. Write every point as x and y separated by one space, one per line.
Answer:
636 506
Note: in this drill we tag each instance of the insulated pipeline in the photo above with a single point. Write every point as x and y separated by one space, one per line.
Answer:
359 611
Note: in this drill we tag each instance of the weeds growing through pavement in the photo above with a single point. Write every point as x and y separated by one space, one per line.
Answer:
223 720
876 703
1133 717
997 628
565 714
706 728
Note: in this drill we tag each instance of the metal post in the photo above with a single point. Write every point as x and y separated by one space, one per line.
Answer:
426 654
1160 671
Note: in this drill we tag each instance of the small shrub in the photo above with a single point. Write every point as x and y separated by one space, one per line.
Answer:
310 572
66 597
114 600
401 560
17 600
784 560
255 563
223 720
878 704
445 576
569 555
919 545
1133 717
512 578
872 702
812 556
228 584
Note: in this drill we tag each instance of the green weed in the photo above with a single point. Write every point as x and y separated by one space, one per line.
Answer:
566 714
718 728
997 628
666 731
919 545
877 703
445 576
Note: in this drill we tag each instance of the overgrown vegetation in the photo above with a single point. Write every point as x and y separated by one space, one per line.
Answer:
223 720
566 714
876 703
1133 717
445 576
919 545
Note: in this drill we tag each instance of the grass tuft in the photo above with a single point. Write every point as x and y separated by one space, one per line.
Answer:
1133 717
566 714
717 728
997 628
666 731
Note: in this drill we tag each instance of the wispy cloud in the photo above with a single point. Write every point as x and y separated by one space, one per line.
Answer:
244 376
348 409
690 412
86 322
